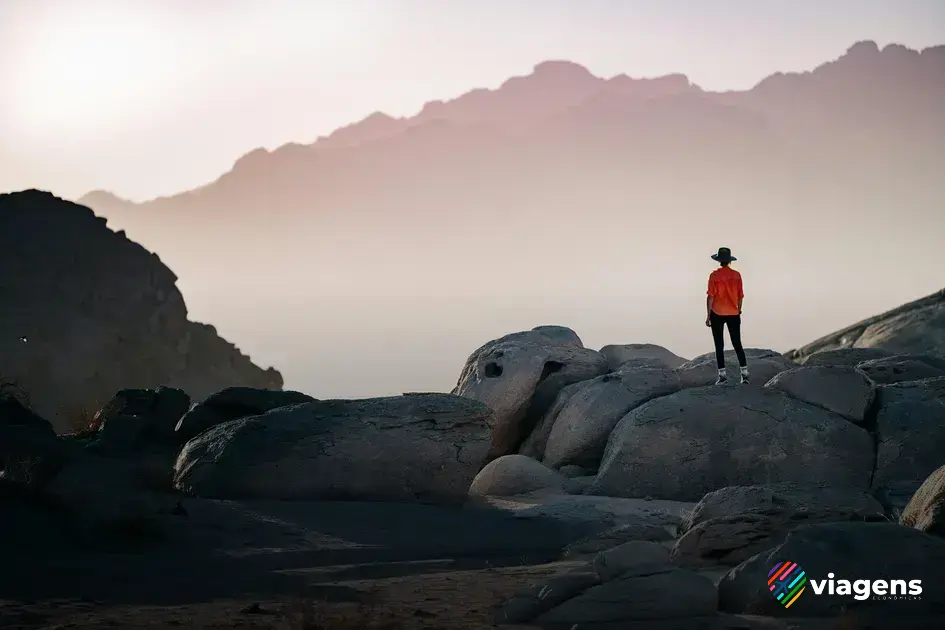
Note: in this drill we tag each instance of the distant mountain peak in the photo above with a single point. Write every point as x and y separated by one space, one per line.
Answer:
101 198
865 47
562 69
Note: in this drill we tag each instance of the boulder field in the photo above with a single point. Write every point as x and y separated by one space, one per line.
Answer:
670 498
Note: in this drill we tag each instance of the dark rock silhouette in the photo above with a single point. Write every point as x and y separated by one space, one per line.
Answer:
98 313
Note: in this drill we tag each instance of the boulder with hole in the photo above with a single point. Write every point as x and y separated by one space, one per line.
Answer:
519 376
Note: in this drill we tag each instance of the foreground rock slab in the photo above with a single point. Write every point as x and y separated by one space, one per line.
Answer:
731 525
647 593
693 442
853 552
416 447
910 432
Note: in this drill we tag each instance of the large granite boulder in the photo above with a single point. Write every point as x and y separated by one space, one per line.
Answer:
646 593
845 357
580 422
510 475
618 355
910 432
926 510
913 328
140 419
698 440
30 451
88 312
900 368
843 390
416 447
762 364
731 525
850 554
519 377
233 403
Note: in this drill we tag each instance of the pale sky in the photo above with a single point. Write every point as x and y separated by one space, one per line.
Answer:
152 97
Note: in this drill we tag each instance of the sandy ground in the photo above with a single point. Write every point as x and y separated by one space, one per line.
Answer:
285 565
308 566
447 599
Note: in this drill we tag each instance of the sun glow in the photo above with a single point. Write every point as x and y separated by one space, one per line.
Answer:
83 68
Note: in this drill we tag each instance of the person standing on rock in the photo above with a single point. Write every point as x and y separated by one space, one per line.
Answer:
723 305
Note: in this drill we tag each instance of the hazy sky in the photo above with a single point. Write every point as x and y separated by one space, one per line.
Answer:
151 97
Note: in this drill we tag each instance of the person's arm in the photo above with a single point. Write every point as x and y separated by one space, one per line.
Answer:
709 299
741 295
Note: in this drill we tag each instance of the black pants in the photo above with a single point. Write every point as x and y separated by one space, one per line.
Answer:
734 323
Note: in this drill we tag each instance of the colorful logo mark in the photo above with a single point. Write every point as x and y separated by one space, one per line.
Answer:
786 581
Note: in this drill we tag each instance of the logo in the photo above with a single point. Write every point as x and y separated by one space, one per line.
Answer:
787 581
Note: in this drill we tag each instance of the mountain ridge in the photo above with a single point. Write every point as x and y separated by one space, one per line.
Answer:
553 87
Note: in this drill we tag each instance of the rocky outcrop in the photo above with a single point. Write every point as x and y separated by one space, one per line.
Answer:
582 419
644 590
232 403
732 524
140 419
847 357
519 377
844 551
843 390
762 364
88 312
698 440
617 355
899 369
909 431
30 452
926 510
416 447
912 328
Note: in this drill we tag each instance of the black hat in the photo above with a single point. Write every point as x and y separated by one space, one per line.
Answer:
724 255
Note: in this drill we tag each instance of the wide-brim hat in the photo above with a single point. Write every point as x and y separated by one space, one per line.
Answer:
724 255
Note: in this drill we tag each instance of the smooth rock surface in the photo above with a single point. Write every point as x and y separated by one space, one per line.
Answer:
910 431
511 475
582 425
698 440
843 390
618 354
417 447
763 365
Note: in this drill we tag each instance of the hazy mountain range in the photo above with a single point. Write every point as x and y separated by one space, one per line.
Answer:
566 198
